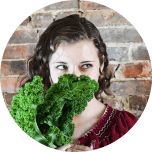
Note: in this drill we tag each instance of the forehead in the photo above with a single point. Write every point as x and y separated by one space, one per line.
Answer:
81 50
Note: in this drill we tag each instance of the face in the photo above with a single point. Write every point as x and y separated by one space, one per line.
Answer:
80 58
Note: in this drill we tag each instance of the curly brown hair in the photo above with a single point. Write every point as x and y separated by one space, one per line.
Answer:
71 29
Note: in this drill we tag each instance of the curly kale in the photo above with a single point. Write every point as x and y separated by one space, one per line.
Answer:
47 117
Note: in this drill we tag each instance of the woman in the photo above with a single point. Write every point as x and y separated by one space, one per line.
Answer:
73 45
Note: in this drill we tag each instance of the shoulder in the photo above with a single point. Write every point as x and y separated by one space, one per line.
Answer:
121 119
125 118
111 126
118 123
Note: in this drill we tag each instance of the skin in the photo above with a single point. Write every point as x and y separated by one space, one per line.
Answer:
79 58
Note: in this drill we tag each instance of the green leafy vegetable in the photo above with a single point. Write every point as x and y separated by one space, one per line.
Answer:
24 104
48 117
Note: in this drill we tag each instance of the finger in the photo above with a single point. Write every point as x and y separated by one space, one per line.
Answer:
75 150
81 147
63 148
91 146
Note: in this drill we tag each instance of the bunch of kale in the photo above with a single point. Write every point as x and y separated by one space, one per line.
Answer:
47 116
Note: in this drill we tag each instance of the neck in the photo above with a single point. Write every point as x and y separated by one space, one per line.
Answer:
93 109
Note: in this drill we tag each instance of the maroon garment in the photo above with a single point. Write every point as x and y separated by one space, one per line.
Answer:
111 126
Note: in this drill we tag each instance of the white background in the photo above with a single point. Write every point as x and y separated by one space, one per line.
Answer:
12 13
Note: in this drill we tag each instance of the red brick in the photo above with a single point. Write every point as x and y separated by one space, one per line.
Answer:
136 70
131 87
140 52
9 84
105 17
26 21
19 51
86 5
118 53
137 102
24 36
132 103
8 97
62 5
64 14
13 68
147 85
41 20
120 35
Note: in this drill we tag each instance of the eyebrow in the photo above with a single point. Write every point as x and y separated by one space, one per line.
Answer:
87 61
61 62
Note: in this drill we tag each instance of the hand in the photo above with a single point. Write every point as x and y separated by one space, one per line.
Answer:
64 147
78 148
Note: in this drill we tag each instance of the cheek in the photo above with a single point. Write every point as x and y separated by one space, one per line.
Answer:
54 75
94 74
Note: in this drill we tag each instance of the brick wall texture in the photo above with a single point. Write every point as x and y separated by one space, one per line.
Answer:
129 59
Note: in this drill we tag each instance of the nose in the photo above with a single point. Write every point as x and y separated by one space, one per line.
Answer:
76 71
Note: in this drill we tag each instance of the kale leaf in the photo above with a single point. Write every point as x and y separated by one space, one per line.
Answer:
47 117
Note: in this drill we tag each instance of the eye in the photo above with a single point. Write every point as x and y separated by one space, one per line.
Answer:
86 66
62 67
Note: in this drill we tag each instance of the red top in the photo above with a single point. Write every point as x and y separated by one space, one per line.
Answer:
111 126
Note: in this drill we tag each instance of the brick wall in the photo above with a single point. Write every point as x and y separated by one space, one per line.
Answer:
129 59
